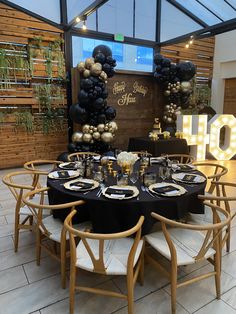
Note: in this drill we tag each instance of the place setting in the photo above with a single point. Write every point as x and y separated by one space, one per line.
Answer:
187 178
72 165
81 185
63 174
118 192
167 189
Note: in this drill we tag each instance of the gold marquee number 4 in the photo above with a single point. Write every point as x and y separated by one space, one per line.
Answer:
195 130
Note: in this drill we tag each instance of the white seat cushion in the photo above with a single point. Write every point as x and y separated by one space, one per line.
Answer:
115 255
187 244
25 210
54 227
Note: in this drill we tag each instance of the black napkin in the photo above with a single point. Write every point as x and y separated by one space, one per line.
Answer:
63 174
185 167
189 178
82 185
119 192
165 189
70 165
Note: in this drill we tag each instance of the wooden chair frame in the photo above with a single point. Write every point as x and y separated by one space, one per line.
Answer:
141 153
18 190
212 239
182 158
43 234
79 155
218 200
218 172
98 264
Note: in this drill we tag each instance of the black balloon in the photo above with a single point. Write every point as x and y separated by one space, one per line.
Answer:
186 70
99 90
158 58
110 113
100 58
71 148
94 79
102 49
165 62
86 84
63 157
98 104
101 118
106 67
104 94
83 97
78 114
158 68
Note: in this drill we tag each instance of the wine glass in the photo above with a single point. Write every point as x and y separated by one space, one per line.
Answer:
164 172
134 177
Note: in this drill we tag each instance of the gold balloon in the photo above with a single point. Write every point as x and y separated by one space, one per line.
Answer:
81 67
185 87
87 137
107 137
100 128
113 125
91 131
96 69
103 76
77 137
96 135
167 92
86 73
106 128
95 129
85 128
89 63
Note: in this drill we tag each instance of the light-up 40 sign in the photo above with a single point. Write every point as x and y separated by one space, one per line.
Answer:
199 133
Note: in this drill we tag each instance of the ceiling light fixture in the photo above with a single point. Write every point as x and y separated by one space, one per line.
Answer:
84 27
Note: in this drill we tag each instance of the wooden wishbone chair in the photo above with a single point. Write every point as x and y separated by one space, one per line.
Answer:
19 182
185 244
224 201
182 158
142 153
81 155
107 254
50 228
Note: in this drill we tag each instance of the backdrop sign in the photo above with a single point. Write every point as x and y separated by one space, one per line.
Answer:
127 95
199 133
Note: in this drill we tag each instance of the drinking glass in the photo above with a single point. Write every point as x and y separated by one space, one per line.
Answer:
174 164
134 177
149 178
164 172
98 176
122 179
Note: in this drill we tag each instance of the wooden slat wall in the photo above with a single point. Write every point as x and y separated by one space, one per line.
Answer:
16 146
201 53
230 97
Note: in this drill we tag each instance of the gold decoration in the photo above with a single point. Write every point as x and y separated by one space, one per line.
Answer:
113 125
103 76
87 137
77 137
85 128
100 127
89 63
86 73
96 135
107 137
166 135
81 67
96 69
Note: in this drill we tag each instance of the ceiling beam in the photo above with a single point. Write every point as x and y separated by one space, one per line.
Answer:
230 5
188 13
209 10
86 12
216 29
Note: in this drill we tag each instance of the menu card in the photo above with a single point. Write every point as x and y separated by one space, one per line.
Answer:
81 185
63 174
125 192
189 178
165 189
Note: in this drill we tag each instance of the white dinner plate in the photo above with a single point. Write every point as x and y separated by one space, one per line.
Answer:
71 174
68 184
181 190
183 177
121 196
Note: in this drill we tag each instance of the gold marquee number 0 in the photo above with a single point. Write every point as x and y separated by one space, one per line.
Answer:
195 130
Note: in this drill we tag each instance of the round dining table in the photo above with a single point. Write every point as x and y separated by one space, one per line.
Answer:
114 215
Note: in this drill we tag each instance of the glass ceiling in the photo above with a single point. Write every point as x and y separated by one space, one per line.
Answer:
138 18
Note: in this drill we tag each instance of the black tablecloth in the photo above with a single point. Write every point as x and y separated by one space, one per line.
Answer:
159 147
108 215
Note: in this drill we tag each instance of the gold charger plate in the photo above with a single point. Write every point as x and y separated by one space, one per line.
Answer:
181 189
64 164
121 187
68 187
72 174
179 177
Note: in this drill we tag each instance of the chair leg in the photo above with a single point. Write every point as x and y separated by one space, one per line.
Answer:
228 239
38 246
72 288
141 271
173 288
63 264
217 267
130 293
16 235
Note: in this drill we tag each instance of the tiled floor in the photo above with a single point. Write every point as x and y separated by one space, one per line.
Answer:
26 288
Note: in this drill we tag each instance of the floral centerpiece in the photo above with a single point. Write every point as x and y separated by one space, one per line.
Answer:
126 161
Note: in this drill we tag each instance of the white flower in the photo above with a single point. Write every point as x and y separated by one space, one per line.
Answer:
126 159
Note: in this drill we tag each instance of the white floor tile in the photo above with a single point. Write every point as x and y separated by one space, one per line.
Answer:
229 297
6 243
216 307
12 278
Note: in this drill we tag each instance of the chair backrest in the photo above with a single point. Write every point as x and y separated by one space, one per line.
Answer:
42 165
182 158
211 238
213 172
98 262
81 155
142 153
35 201
19 182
